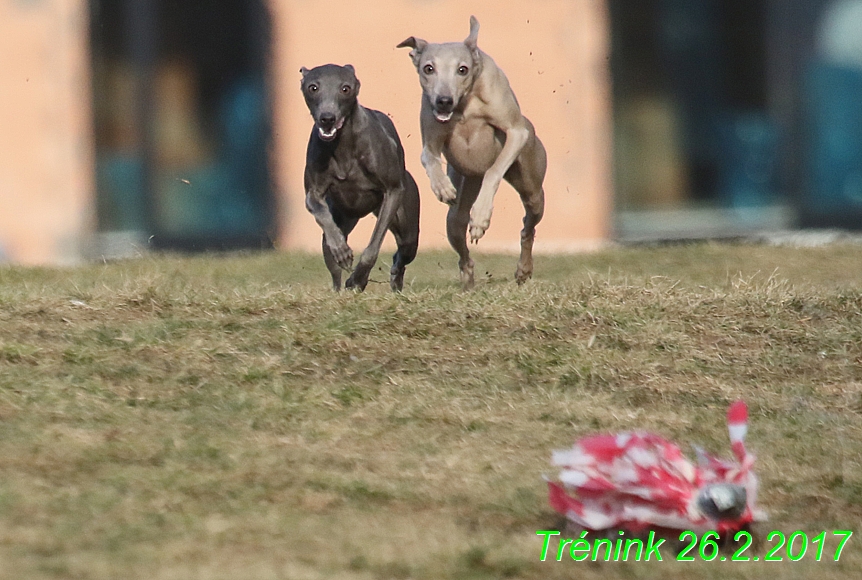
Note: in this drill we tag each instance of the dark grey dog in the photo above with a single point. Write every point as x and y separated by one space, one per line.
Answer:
355 166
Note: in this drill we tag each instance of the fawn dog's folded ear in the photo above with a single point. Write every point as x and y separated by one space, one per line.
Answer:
413 42
417 44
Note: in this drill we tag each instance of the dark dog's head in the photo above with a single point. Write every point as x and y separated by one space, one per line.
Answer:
446 71
330 92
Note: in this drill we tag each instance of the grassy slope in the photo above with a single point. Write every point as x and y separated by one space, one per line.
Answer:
232 418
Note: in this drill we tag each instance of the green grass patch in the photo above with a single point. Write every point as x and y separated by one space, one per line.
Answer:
230 417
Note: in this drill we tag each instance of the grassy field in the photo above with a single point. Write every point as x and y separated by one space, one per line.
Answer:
232 418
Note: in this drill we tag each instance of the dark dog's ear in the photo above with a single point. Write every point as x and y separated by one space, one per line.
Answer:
349 68
473 38
417 44
304 71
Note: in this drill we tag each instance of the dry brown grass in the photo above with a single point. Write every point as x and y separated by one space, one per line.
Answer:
231 418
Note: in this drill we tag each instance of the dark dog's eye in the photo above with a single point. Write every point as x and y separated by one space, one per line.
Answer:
428 69
345 89
463 70
312 88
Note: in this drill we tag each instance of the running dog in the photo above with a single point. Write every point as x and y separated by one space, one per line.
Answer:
354 167
471 116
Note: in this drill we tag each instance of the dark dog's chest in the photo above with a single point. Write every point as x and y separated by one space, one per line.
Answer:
347 169
350 189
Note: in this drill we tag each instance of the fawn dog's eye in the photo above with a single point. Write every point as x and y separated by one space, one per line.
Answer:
429 69
463 70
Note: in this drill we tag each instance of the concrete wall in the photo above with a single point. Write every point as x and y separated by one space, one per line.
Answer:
555 55
46 182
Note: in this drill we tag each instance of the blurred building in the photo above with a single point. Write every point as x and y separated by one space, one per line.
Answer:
133 124
736 115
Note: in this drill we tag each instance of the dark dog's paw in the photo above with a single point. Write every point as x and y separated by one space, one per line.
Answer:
359 278
357 281
343 256
396 279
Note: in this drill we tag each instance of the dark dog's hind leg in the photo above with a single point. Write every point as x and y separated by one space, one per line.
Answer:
405 228
405 254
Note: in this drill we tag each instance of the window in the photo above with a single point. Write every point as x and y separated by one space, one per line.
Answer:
697 148
182 121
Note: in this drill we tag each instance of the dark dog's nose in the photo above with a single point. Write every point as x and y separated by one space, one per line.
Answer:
444 103
327 120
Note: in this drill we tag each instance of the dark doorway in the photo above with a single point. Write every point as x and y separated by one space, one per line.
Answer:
733 116
182 121
696 145
689 94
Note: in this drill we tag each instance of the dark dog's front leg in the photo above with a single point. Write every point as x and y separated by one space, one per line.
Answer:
391 201
332 266
339 252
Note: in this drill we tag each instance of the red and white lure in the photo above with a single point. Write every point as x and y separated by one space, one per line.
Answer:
636 480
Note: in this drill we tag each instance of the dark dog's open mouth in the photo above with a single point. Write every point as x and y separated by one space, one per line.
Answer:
329 134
